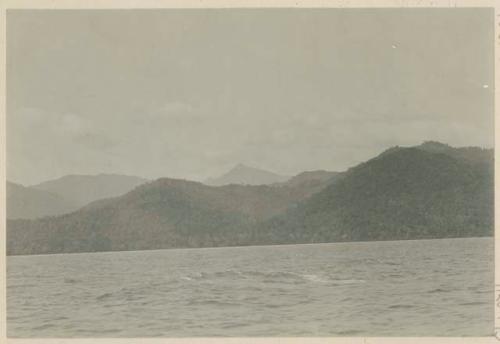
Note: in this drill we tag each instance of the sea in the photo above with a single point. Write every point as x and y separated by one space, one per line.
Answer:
442 287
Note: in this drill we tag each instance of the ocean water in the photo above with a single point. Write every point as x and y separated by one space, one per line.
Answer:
400 288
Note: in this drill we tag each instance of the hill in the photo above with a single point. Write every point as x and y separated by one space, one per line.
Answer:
473 155
311 178
245 175
165 213
404 193
80 190
29 203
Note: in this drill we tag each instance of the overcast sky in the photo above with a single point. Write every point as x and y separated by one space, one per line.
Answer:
191 93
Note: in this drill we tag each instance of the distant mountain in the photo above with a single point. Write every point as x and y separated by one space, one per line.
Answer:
428 191
245 175
29 203
404 193
165 213
80 190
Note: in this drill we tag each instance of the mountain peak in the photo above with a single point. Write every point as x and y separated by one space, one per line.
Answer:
241 166
246 175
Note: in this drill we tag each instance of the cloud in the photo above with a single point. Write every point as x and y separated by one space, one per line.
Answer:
164 100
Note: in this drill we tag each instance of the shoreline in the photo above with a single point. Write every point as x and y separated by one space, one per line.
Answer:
244 246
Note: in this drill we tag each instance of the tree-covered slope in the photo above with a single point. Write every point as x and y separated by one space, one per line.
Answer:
405 193
161 214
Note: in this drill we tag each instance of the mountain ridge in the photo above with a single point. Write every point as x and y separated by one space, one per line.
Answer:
81 189
403 193
29 203
162 213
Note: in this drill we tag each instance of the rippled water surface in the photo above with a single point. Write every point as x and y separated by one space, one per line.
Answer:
400 288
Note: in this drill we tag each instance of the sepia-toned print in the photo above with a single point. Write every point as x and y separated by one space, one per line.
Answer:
250 172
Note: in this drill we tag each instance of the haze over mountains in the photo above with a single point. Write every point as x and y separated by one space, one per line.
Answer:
427 191
83 189
242 174
30 203
71 192
65 194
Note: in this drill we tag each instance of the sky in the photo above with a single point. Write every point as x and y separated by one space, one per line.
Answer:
191 93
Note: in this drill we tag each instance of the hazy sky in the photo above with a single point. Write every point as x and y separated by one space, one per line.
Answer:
190 93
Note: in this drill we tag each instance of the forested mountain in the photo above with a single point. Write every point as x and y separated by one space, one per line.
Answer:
428 191
245 175
160 214
311 178
474 155
405 193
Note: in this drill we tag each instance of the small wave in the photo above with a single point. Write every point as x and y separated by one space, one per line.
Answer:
315 278
389 263
268 277
401 306
395 275
347 281
251 298
71 280
488 291
349 332
473 303
193 277
438 290
275 305
210 303
61 318
109 331
103 296
273 274
234 325
210 276
228 273
21 285
43 327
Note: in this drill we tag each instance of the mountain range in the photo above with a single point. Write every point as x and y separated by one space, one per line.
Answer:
71 192
30 203
65 194
427 191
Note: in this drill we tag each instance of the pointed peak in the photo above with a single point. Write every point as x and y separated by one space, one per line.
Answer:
246 175
241 166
